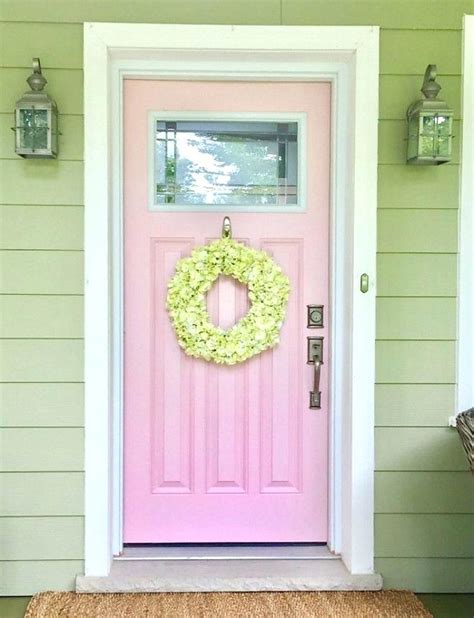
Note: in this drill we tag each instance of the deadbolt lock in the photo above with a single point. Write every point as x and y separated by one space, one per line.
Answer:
315 316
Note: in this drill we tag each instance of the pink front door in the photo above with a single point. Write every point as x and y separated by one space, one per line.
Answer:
217 454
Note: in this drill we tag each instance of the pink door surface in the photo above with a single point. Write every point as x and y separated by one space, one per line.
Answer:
212 453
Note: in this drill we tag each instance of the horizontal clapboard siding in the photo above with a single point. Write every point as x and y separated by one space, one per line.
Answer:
405 186
415 361
41 538
424 492
423 535
25 577
408 274
416 318
41 404
41 360
413 405
24 272
41 227
22 494
418 448
58 46
421 478
396 14
41 316
45 449
417 231
156 11
427 574
24 182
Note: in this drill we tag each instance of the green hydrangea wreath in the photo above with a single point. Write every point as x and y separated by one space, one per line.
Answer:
259 329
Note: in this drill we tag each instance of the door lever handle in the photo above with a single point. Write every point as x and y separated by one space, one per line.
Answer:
315 394
315 358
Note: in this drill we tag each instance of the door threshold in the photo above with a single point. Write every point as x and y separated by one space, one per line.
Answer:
243 575
228 552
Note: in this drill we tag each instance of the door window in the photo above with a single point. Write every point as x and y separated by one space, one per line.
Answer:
226 163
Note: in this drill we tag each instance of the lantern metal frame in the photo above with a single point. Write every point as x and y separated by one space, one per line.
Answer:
435 113
33 102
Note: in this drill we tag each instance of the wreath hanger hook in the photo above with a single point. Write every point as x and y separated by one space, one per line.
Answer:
226 228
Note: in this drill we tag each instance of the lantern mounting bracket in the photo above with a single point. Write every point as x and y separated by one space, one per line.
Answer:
37 81
430 86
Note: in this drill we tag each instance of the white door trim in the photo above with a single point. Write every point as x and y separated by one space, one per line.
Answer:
465 338
346 56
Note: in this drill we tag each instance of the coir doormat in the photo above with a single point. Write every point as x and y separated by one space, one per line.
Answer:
387 603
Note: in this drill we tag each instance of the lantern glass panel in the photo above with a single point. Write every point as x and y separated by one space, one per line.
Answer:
54 131
428 136
413 137
443 125
34 129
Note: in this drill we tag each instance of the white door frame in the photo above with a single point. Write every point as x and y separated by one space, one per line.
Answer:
346 56
465 334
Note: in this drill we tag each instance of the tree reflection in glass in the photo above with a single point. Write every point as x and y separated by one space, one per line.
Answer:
226 162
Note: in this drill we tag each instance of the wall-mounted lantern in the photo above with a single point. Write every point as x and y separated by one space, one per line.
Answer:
36 120
430 125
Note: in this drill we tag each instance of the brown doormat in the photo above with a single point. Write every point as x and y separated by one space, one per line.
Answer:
388 603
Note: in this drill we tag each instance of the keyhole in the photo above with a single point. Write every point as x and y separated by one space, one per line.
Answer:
227 302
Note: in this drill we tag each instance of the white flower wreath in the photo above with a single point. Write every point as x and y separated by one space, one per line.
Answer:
259 329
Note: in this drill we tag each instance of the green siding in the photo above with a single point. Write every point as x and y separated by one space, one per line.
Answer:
406 186
418 405
415 361
397 14
397 57
423 528
440 574
159 11
418 448
41 316
416 318
24 182
24 272
41 538
61 47
27 576
416 274
421 535
417 231
424 492
41 405
23 494
41 360
44 449
46 227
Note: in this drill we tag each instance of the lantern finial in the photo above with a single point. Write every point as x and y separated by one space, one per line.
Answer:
430 86
37 81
